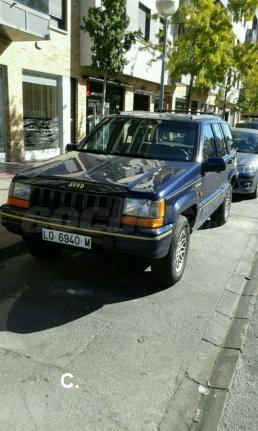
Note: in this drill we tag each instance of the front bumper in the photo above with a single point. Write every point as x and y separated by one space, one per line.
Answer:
245 184
147 244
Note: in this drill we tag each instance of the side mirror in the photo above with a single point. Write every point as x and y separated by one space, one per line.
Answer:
215 164
70 147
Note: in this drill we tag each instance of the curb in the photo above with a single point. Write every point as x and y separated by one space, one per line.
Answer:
211 408
12 250
214 362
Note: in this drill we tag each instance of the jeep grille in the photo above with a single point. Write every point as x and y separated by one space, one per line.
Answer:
92 208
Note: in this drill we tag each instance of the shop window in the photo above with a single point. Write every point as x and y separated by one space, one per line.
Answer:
144 21
57 12
181 105
41 112
194 106
114 102
141 102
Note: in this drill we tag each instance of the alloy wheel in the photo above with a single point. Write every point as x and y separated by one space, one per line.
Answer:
181 251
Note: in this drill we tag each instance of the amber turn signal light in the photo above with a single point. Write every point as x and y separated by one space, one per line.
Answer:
143 222
20 203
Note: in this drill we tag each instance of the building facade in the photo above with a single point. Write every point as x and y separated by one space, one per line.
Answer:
42 94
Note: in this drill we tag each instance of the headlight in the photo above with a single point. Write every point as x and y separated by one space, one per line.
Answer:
19 195
144 212
20 191
243 169
144 208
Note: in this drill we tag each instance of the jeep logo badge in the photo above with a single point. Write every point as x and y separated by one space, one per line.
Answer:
76 186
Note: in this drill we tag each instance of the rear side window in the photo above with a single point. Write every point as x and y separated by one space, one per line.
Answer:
221 148
228 137
209 146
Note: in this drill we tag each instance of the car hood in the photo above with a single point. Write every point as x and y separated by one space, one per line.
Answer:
125 173
247 159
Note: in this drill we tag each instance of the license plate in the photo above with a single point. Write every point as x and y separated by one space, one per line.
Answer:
66 238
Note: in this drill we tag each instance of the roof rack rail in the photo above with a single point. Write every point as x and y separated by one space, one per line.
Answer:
189 112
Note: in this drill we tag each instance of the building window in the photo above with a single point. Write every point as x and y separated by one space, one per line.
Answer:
57 12
144 21
2 120
41 112
39 5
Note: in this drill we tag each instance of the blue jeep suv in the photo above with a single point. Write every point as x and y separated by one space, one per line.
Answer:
137 185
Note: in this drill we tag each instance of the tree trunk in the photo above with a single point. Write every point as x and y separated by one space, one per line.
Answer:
189 96
225 101
104 94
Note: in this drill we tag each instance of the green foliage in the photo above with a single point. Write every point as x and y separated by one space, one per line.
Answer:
107 27
248 100
245 58
242 8
204 49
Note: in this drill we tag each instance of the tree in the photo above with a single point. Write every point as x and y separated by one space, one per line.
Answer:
204 49
107 27
242 8
248 100
244 61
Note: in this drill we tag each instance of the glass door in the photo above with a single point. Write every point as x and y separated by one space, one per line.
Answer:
2 121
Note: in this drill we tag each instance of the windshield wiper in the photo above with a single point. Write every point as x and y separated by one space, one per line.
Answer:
133 155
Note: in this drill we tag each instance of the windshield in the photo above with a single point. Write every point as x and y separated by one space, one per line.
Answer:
245 142
145 138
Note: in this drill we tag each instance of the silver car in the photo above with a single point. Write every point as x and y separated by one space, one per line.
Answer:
246 144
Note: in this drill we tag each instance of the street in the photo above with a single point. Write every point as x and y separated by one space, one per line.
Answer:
129 345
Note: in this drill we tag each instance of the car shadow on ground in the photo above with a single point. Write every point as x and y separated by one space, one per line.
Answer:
240 197
74 290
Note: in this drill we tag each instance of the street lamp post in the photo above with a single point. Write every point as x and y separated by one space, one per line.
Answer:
165 9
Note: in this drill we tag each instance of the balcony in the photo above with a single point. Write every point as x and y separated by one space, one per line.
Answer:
24 20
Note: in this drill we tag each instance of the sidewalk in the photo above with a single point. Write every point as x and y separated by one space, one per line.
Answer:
9 243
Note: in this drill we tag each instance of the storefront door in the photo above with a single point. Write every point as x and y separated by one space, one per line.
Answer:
2 120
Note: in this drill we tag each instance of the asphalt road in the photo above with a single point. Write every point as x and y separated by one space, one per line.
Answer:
241 409
127 342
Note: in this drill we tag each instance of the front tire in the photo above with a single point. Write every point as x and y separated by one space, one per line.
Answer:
221 215
169 269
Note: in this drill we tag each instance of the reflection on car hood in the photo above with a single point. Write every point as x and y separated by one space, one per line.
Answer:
247 159
135 174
